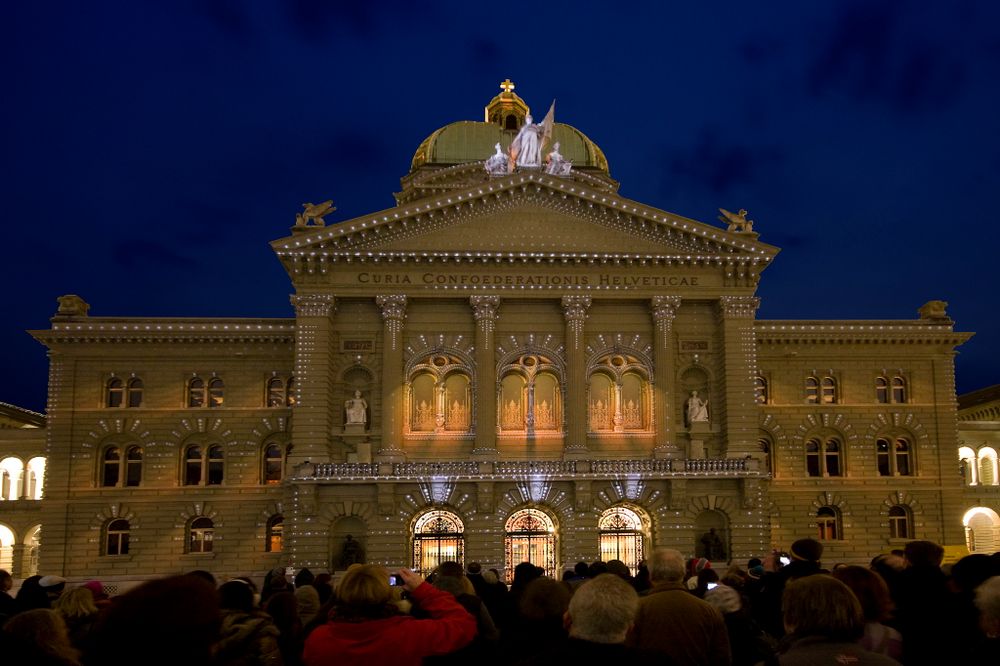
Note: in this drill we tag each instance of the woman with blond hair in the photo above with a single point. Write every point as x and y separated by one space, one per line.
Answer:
37 637
366 626
79 611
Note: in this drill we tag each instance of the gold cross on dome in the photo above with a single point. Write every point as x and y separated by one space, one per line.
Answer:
507 86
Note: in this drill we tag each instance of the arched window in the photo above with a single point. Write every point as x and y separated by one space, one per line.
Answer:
530 396
621 537
892 456
438 536
36 478
982 530
6 548
967 465
134 392
12 473
457 402
115 460
276 392
116 537
216 392
987 467
812 390
201 534
203 466
828 390
529 537
899 389
899 522
602 402
823 457
291 398
760 392
196 392
274 463
767 449
828 523
115 392
274 534
882 390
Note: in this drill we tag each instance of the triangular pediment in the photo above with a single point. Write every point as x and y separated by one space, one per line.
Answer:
523 213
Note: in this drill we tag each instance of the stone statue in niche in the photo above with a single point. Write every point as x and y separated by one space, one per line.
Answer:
696 409
556 164
498 164
356 409
351 553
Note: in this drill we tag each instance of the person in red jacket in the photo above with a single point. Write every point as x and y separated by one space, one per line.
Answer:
367 628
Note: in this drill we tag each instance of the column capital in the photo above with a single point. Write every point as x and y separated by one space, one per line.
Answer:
314 305
485 310
393 313
664 308
739 307
575 308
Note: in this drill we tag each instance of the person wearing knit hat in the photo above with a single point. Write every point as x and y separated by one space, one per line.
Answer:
807 549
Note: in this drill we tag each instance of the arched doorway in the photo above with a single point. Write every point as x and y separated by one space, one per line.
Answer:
622 537
438 536
530 536
982 530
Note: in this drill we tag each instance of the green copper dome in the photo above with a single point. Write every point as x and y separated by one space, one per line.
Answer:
470 141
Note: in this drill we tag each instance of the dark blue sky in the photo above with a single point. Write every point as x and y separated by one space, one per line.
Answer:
151 150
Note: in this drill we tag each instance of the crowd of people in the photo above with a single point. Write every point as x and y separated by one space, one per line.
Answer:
783 609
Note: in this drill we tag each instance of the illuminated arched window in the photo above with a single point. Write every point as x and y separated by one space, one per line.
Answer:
530 397
828 523
457 399
987 467
423 407
982 530
760 392
529 536
274 463
621 537
6 548
967 465
201 535
438 536
34 542
602 402
116 535
274 534
115 392
899 523
12 473
36 477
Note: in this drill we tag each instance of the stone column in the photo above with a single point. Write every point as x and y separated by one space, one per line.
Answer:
738 415
664 309
484 310
393 313
575 409
314 409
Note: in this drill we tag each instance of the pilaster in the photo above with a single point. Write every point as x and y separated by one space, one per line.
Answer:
485 311
739 413
393 315
664 310
313 413
575 312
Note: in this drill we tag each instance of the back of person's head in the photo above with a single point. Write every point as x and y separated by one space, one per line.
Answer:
972 571
364 592
725 599
206 576
31 595
453 569
821 605
581 569
304 577
168 621
603 610
596 569
807 549
666 565
474 568
988 602
620 569
37 634
544 600
524 573
6 580
283 608
870 589
236 595
923 554
78 602
450 584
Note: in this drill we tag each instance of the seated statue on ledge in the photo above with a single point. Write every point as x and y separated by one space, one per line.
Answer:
696 409
357 409
556 164
498 164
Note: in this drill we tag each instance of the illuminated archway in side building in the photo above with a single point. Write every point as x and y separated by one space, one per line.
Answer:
982 530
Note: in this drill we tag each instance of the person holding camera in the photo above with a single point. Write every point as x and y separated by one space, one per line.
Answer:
366 626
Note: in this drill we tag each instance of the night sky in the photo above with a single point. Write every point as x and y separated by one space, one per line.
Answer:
150 153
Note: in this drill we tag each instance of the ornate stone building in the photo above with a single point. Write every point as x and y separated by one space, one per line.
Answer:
514 362
979 441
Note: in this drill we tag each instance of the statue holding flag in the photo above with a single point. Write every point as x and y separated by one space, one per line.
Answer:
526 149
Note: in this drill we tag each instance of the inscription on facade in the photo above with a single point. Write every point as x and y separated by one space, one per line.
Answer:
476 279
365 345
